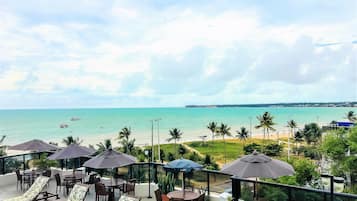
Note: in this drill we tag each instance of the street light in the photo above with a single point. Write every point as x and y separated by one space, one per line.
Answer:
148 155
152 140
158 138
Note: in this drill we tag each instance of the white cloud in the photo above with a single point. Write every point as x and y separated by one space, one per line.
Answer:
151 53
11 79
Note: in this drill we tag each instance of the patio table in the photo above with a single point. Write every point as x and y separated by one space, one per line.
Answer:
31 175
111 185
71 180
185 195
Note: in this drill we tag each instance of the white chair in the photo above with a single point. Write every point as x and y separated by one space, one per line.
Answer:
35 190
78 193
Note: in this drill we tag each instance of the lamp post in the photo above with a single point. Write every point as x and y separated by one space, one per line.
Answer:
148 155
152 140
158 138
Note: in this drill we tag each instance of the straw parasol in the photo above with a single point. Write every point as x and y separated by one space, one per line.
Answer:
258 165
110 159
72 151
34 145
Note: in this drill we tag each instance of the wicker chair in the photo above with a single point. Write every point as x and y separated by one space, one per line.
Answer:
47 173
158 195
130 187
100 191
19 179
59 183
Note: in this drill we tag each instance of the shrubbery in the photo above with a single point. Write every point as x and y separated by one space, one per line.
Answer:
249 148
271 149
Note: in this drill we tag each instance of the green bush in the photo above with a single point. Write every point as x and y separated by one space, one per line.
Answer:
305 171
247 194
312 152
249 148
182 150
271 193
170 156
273 149
193 156
209 163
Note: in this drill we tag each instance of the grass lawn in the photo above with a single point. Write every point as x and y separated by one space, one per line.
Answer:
234 148
169 148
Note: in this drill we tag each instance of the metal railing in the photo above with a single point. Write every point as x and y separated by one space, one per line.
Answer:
213 181
9 164
246 189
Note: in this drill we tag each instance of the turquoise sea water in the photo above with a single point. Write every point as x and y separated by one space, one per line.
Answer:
21 125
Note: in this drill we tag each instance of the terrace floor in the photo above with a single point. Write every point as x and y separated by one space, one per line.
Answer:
11 191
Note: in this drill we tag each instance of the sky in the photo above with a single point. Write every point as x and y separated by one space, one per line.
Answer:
167 53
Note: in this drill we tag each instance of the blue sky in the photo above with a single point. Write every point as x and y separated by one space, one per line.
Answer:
56 54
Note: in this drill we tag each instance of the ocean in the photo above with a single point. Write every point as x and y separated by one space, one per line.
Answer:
95 125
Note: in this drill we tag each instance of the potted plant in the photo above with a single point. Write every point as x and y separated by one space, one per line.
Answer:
43 163
166 184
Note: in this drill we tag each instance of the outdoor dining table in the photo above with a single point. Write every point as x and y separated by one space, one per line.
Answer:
111 185
31 174
70 180
185 195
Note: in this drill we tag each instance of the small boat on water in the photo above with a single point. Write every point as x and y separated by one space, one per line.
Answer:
63 125
75 119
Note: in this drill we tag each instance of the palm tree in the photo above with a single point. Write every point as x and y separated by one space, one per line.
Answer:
298 137
71 140
124 134
292 125
242 134
128 145
175 134
104 146
266 122
351 116
212 126
224 130
312 133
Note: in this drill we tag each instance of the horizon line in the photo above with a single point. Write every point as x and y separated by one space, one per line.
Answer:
182 106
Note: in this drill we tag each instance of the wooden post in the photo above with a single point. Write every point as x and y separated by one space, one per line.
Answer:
208 187
236 188
23 161
331 188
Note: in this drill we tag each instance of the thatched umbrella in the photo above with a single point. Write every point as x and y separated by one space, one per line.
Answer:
34 145
258 165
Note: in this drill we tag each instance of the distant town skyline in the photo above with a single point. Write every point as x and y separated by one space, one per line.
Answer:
57 54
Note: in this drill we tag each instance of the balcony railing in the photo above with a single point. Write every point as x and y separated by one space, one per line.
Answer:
246 189
215 182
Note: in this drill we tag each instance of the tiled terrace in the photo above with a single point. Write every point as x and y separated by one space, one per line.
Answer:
10 191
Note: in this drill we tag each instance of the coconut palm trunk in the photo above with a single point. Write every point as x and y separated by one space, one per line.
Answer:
175 149
225 151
